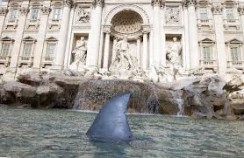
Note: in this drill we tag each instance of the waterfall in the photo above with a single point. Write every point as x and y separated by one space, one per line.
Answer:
180 103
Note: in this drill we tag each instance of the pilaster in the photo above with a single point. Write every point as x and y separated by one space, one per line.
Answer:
95 34
217 10
62 43
157 33
40 52
3 12
19 35
193 34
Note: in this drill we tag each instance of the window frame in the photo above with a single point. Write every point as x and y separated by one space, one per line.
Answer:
14 12
55 16
47 54
36 15
201 13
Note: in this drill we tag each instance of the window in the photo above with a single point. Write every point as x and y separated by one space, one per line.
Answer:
207 53
5 50
203 14
27 50
235 53
34 13
56 13
230 14
13 15
50 50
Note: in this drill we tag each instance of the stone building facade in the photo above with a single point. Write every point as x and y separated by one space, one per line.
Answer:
127 35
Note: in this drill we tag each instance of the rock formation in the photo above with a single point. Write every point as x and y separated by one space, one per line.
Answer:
209 96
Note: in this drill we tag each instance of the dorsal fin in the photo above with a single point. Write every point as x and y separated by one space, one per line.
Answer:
111 123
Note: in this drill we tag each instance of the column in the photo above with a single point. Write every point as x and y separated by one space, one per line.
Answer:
157 36
94 35
69 37
39 52
62 43
145 51
19 35
106 49
114 50
241 12
186 44
138 50
3 12
162 42
219 35
193 34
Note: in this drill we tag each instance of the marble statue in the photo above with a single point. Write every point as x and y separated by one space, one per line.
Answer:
123 58
79 54
111 124
174 56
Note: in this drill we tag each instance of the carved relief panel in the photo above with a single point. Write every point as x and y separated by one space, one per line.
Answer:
82 15
173 15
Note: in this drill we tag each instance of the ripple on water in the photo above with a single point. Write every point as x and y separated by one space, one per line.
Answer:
32 133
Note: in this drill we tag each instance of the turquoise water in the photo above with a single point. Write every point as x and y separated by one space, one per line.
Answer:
28 133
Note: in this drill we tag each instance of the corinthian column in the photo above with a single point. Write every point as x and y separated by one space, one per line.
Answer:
3 12
106 49
19 33
94 35
241 12
62 43
193 34
145 58
219 35
157 30
41 36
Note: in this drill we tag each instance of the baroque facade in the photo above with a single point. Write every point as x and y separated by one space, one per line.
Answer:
139 37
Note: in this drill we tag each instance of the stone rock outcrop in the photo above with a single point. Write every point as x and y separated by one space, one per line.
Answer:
206 96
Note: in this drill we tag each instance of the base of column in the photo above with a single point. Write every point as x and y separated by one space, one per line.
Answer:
57 67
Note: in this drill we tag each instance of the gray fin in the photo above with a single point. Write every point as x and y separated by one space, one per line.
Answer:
111 123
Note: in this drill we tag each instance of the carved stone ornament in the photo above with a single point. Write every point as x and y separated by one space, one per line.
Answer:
241 10
157 2
3 11
24 10
98 3
83 15
46 10
67 3
172 15
127 22
218 9
190 3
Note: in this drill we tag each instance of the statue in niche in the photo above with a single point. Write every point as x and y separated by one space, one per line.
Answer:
79 54
83 15
174 56
123 59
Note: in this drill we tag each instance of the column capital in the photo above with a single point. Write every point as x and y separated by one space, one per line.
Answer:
46 10
3 11
67 3
24 10
107 29
146 29
190 3
98 3
157 2
217 9
241 10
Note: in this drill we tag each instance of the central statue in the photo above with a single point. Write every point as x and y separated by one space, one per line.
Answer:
123 58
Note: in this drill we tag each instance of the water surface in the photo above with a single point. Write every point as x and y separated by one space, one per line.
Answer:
28 133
